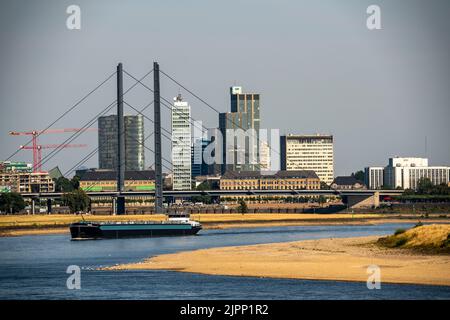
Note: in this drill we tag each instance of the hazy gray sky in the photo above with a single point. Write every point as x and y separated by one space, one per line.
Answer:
317 67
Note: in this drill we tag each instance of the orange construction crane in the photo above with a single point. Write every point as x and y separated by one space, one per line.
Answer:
37 149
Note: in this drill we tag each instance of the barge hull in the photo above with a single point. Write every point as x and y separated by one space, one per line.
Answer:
85 232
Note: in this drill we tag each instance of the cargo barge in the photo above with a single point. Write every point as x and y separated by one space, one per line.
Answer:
175 225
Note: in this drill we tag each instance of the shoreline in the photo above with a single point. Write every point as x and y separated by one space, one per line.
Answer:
56 224
330 259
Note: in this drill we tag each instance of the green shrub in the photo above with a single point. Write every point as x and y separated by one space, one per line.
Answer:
242 207
400 242
399 231
446 243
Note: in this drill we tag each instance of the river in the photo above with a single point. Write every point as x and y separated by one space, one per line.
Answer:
34 267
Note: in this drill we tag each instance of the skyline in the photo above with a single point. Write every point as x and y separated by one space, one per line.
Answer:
370 92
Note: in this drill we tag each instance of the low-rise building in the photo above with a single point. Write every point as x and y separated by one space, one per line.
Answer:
347 183
281 180
106 180
26 182
405 173
11 166
374 177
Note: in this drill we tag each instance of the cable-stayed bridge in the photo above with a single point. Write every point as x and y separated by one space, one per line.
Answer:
352 197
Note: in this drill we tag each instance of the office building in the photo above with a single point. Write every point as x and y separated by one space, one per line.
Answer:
134 142
244 115
405 173
264 156
374 177
198 165
309 152
181 145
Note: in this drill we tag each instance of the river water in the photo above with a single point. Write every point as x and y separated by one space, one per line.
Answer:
34 267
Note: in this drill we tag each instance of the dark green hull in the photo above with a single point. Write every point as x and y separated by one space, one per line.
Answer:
87 230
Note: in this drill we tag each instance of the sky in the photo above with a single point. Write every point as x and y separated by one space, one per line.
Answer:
317 66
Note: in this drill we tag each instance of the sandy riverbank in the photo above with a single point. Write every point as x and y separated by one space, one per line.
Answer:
325 259
57 224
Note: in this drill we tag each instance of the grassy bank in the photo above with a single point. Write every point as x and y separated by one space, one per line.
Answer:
433 238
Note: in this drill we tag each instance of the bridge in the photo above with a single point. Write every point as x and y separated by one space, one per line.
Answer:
353 198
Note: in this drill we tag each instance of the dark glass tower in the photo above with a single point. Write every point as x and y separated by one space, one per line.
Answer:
134 142
245 115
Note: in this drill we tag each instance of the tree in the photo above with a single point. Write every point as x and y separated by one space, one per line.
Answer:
321 200
424 186
359 175
63 185
75 182
203 186
242 207
442 189
206 199
77 200
11 202
324 186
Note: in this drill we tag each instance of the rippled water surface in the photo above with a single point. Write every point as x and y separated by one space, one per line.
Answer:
34 267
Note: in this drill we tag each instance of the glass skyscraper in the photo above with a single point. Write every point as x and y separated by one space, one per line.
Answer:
134 142
181 145
245 115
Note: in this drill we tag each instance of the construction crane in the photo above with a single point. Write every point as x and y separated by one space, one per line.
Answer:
37 167
37 149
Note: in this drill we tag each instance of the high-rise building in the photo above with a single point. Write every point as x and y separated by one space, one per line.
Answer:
134 142
198 165
264 156
308 152
405 173
244 115
374 177
181 144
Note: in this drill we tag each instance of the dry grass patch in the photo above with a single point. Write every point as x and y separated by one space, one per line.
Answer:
435 238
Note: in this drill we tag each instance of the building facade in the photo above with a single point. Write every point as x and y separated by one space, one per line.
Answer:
198 165
181 145
244 115
11 166
308 152
134 142
106 180
374 177
26 182
347 183
282 180
264 156
405 173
